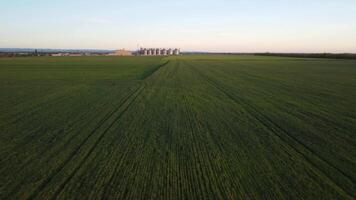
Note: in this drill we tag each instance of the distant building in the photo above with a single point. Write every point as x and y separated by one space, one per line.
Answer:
57 54
123 52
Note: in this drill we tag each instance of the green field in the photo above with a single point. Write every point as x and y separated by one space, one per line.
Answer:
188 127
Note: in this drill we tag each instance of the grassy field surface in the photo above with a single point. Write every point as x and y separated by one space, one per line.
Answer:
187 127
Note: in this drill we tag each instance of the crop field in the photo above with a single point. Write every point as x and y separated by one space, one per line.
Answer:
185 127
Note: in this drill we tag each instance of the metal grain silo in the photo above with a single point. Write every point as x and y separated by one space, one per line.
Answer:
175 52
164 52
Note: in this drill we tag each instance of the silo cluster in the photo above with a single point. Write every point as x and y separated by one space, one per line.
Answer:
158 52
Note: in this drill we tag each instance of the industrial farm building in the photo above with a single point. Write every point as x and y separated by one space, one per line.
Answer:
122 52
158 52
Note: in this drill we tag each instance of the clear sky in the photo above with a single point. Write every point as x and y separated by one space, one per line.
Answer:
205 25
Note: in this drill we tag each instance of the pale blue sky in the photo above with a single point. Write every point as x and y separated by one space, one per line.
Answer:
206 25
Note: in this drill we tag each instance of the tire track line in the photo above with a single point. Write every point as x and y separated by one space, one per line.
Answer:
221 88
70 139
149 73
134 95
97 142
262 119
100 123
16 188
74 153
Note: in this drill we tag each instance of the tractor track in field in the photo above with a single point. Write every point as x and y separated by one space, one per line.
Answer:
105 193
265 121
72 174
154 70
74 153
221 88
98 126
286 88
133 96
45 150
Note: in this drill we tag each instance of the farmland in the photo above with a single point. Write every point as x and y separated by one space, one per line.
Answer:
187 127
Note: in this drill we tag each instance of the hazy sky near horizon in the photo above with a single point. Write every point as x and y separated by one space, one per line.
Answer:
200 25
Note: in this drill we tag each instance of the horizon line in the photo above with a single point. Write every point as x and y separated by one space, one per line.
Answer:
187 51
